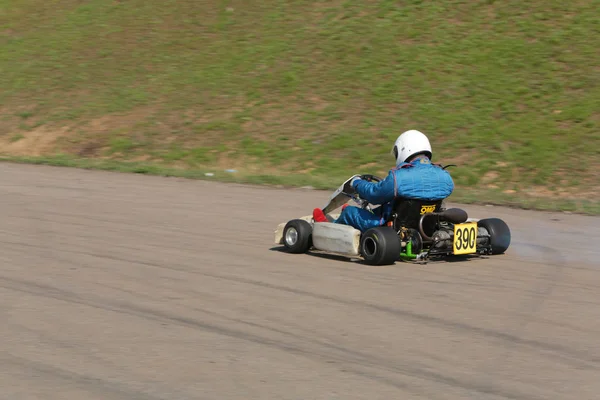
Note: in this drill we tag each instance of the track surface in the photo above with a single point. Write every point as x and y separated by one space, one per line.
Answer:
132 287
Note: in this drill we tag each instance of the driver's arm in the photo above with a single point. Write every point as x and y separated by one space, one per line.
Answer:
376 193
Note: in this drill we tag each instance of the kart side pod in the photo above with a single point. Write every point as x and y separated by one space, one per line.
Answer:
328 237
336 238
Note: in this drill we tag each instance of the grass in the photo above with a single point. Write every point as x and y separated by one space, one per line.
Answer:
310 91
491 197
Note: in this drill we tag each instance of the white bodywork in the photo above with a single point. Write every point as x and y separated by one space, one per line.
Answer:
336 238
329 237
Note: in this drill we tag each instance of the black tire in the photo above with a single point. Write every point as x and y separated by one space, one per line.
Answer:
499 234
380 246
297 236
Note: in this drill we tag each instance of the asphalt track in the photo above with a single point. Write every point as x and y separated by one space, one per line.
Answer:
118 286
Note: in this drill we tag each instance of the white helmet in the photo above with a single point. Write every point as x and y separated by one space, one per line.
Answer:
410 143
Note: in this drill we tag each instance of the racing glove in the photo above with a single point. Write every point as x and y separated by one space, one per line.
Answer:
354 180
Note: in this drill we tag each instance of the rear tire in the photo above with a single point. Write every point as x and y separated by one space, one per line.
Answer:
499 234
380 246
297 236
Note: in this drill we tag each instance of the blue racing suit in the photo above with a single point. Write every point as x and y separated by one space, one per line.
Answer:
419 179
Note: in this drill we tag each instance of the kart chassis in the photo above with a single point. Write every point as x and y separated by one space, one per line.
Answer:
439 232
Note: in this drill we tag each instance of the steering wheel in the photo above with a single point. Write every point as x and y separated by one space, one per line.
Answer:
371 178
364 204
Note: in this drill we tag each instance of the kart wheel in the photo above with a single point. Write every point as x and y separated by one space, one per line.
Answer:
380 246
297 236
499 234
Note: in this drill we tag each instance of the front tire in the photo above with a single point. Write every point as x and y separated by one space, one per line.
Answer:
297 236
499 234
380 246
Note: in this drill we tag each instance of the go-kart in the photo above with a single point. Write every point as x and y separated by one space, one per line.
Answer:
416 230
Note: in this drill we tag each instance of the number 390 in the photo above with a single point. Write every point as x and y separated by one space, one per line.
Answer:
465 238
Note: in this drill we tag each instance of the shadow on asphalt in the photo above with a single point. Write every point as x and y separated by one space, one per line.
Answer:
341 258
312 253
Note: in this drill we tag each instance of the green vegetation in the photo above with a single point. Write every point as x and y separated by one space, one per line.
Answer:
474 195
309 92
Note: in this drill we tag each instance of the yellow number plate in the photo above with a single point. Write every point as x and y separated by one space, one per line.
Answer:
465 238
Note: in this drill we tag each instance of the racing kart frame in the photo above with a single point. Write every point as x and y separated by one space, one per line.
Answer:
417 230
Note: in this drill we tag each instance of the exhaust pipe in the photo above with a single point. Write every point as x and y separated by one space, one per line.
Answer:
452 215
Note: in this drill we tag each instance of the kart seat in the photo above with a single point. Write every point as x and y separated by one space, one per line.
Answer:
407 212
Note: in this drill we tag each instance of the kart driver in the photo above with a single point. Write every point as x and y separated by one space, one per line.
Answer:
414 177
